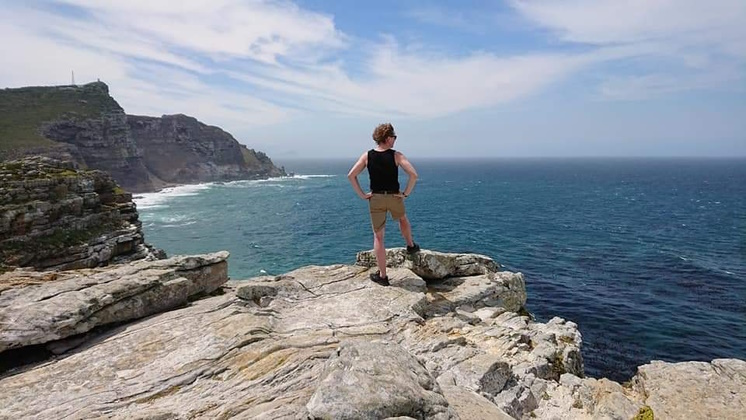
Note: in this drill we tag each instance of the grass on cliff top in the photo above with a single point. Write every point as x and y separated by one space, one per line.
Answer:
20 171
24 110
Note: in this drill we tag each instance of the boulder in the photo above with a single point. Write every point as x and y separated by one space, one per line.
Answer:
694 390
39 307
471 405
432 264
502 290
374 380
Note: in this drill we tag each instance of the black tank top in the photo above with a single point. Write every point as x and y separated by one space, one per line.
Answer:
383 172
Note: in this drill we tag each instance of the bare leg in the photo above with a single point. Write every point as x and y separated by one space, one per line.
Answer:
406 230
380 251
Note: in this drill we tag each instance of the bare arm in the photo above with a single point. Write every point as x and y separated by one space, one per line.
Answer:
402 161
354 172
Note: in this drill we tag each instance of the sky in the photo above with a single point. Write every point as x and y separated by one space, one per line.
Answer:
312 78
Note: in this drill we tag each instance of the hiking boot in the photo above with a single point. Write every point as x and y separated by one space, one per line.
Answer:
376 277
413 249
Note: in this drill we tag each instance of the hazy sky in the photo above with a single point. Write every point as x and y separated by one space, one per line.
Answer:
312 78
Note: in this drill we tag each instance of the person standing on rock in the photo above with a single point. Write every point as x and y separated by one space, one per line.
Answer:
385 194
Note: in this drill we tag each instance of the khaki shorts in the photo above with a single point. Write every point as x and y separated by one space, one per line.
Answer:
382 203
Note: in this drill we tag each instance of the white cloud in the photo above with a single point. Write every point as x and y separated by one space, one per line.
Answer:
686 44
282 51
659 84
482 20
612 22
436 85
147 89
157 90
143 75
221 29
418 84
246 63
34 60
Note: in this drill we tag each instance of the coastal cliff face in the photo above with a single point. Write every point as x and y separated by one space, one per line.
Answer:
53 216
84 124
180 149
449 339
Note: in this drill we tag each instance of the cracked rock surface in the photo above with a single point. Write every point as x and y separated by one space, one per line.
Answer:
41 307
327 343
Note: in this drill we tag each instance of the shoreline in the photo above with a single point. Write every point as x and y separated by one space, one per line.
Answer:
166 186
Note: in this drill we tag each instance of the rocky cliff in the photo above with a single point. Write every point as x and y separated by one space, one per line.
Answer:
448 339
180 149
86 125
83 124
53 216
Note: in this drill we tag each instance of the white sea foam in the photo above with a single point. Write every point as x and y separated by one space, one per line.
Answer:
168 225
275 182
292 178
312 176
178 218
159 199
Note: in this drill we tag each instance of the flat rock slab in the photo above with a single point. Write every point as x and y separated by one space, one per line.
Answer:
180 362
470 405
694 390
375 380
326 342
39 307
342 297
432 264
504 289
225 356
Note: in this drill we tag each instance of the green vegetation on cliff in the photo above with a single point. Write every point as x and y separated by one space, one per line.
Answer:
645 413
20 171
24 111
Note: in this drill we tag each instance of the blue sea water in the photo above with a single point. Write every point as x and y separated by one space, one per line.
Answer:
647 256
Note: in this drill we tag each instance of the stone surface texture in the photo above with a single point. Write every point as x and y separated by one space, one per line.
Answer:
180 149
325 342
38 308
432 265
695 390
54 216
102 141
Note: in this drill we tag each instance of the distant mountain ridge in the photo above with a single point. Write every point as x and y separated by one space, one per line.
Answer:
84 124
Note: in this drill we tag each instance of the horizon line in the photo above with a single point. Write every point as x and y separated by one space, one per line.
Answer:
713 157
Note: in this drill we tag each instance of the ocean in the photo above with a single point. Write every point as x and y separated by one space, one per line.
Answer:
647 256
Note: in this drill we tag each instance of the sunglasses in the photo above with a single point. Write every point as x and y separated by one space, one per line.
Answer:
394 136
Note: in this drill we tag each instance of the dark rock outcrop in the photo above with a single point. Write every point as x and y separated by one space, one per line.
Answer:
180 149
53 216
84 124
79 123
